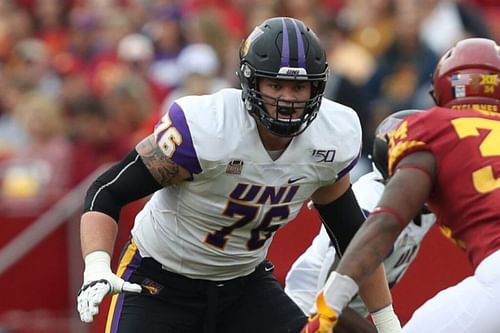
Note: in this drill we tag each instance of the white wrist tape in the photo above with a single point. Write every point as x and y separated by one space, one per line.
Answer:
386 320
96 263
339 290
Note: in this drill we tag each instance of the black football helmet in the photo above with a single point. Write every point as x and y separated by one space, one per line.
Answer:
282 48
381 142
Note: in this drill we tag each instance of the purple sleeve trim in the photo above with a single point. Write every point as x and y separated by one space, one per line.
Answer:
349 167
185 154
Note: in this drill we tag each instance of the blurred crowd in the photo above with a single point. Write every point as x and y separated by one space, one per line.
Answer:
81 81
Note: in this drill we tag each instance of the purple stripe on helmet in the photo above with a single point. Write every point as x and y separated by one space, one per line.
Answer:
300 45
285 47
185 154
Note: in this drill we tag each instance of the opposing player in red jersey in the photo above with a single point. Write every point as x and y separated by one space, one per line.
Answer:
448 157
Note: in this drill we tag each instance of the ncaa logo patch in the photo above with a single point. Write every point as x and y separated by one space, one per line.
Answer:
234 167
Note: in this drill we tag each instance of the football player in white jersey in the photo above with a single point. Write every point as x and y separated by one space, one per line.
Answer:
309 272
226 171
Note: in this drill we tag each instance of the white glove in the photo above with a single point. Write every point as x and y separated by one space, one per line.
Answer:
386 320
99 281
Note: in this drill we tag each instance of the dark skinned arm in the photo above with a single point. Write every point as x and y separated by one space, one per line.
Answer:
406 193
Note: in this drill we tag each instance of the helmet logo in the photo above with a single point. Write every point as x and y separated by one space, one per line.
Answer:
489 82
466 84
458 82
460 79
250 39
292 71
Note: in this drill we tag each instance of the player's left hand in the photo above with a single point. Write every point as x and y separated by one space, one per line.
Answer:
324 320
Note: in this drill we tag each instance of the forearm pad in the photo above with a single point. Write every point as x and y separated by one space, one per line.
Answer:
342 219
126 181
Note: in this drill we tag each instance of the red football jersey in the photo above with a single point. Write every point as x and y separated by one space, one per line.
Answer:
466 193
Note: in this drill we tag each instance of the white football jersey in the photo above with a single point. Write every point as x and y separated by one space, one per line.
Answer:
219 224
309 272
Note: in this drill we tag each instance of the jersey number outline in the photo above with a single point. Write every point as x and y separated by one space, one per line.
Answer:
404 259
247 214
172 137
483 179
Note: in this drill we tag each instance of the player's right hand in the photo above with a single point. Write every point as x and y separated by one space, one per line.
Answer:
324 320
99 281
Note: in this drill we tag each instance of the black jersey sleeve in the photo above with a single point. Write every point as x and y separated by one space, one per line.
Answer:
124 182
342 218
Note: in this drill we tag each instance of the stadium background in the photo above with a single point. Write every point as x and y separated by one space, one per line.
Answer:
82 81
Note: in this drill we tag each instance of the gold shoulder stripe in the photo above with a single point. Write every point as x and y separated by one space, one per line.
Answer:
398 149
